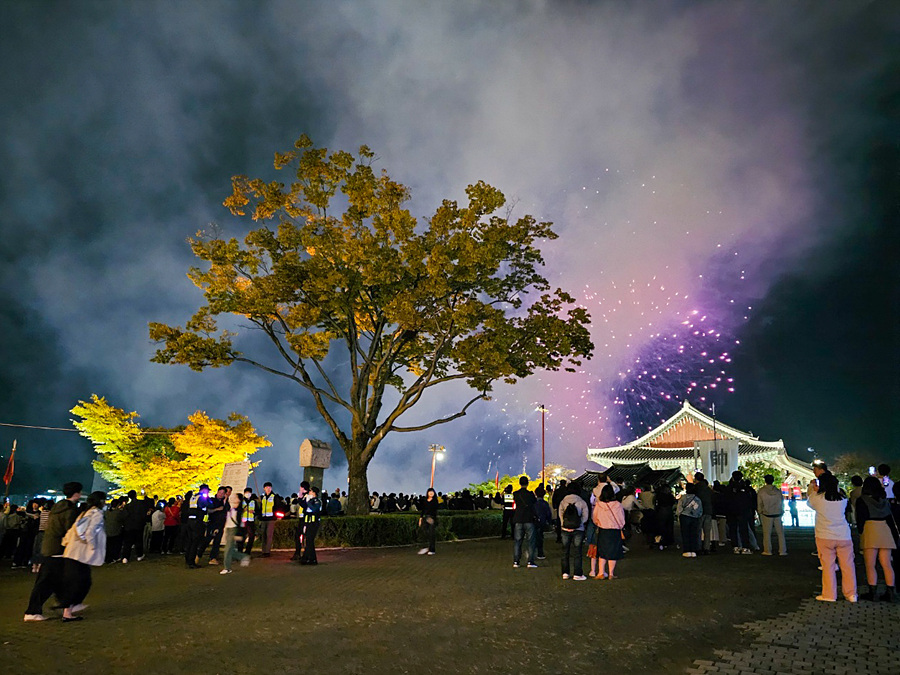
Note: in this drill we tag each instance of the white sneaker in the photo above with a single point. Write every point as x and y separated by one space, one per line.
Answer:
685 555
737 549
35 617
245 562
766 553
430 552
124 561
542 557
532 565
140 557
851 598
225 572
78 608
515 564
747 551
423 551
565 576
822 598
579 577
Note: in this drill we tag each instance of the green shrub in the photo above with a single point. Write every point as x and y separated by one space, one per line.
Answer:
390 530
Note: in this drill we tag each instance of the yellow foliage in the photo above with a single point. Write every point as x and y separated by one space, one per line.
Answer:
164 462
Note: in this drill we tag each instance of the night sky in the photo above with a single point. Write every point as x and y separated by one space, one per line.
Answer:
724 177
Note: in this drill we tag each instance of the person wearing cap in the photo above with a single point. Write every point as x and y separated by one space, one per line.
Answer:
198 507
248 516
215 526
312 510
302 496
267 502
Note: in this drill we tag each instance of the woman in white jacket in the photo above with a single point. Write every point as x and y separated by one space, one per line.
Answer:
85 544
832 537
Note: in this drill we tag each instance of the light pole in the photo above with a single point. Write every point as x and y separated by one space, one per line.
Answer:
435 449
543 411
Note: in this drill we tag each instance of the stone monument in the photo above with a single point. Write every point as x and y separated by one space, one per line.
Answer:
315 457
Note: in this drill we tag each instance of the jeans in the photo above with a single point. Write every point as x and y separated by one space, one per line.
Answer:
690 534
523 531
572 542
232 547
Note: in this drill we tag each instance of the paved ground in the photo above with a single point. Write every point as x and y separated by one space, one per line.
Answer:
818 639
465 610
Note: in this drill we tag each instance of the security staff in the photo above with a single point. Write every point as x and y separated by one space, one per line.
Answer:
197 505
509 505
267 503
215 525
302 496
311 513
249 519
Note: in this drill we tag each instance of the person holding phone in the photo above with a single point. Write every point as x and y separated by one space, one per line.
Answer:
832 537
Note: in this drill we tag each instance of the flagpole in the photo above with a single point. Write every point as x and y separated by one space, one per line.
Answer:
11 465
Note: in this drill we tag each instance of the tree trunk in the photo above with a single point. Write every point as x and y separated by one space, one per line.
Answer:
357 487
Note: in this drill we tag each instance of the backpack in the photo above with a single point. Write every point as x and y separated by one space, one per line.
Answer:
692 507
571 520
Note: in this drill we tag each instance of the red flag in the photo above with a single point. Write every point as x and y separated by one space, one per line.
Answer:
497 480
11 466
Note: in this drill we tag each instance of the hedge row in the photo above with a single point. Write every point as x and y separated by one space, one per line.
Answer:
393 530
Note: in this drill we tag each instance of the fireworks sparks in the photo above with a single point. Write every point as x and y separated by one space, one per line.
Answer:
662 334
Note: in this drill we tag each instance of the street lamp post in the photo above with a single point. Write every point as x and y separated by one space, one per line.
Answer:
435 449
543 411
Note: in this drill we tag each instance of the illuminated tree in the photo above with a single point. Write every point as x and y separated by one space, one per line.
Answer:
408 306
754 472
163 461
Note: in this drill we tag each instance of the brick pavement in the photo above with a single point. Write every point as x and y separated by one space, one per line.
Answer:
820 638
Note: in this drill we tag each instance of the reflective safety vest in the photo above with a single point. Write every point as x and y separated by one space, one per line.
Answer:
194 506
267 502
312 511
249 511
509 501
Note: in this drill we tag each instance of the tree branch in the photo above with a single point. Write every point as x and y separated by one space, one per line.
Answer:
443 420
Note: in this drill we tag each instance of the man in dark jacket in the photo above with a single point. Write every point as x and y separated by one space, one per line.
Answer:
707 519
557 498
50 578
133 535
215 526
523 522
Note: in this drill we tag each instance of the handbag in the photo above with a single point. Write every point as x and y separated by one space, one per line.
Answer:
621 530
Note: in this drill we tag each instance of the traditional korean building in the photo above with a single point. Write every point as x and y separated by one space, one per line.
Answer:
691 441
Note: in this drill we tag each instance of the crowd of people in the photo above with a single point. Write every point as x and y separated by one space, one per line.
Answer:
61 541
711 518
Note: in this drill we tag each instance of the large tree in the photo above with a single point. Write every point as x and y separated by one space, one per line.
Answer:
339 263
163 461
